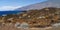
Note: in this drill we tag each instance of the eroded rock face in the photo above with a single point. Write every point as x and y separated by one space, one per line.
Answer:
22 25
17 25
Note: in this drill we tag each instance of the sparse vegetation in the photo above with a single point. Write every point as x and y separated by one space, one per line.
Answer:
35 18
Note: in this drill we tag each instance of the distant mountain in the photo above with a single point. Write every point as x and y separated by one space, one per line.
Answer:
49 3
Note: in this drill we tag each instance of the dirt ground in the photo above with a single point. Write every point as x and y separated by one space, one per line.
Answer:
11 27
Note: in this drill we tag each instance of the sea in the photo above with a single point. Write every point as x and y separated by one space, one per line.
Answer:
9 12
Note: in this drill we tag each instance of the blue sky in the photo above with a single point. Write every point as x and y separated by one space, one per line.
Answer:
13 4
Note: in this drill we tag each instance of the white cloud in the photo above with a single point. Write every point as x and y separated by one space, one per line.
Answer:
7 8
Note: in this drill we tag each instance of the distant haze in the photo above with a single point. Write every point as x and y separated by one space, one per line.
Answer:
8 8
9 5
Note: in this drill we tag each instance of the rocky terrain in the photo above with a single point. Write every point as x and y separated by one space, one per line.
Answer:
44 19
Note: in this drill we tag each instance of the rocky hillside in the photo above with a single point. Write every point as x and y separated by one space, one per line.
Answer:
34 18
45 17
